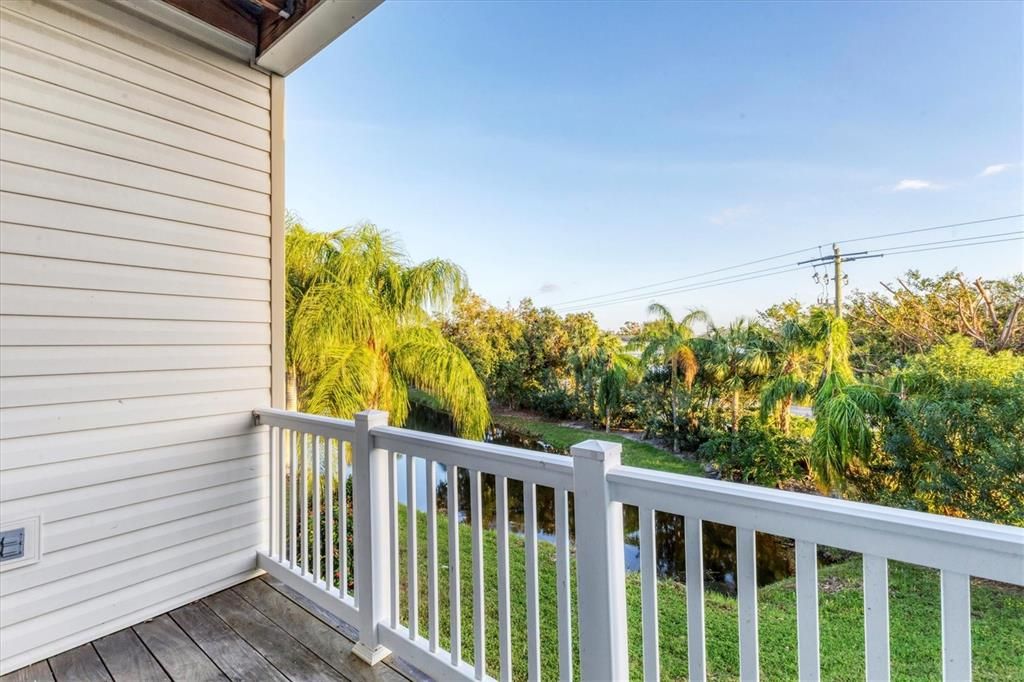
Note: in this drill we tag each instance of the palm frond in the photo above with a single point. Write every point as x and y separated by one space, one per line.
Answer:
346 384
694 316
433 283
429 361
661 313
842 436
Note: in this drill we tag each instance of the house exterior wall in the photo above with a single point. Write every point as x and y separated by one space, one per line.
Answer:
135 318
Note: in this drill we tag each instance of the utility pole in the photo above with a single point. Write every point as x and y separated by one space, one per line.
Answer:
838 259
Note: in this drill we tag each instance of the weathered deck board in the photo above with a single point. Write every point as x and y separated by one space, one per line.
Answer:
312 633
179 655
276 645
81 664
399 665
259 630
37 672
126 657
224 646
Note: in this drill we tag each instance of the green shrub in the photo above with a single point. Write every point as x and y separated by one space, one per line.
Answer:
556 404
756 454
954 443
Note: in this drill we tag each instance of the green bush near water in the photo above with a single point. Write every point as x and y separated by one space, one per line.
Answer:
914 605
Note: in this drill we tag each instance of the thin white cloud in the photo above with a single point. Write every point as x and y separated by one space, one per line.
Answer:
995 169
731 214
911 184
549 288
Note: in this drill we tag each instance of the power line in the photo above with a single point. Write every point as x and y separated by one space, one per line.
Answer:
735 279
789 267
681 279
685 287
574 303
930 229
894 249
954 246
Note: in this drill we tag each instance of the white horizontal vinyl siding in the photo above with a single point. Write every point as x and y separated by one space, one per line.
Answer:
134 319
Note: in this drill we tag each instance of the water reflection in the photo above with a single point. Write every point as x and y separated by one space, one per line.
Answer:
775 558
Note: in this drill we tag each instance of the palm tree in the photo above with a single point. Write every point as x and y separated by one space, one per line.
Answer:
671 341
842 406
791 349
358 329
617 369
739 361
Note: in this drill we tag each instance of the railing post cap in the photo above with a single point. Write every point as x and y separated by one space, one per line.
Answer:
598 451
372 417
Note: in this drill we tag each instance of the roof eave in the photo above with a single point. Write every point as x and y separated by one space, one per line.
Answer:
312 32
190 26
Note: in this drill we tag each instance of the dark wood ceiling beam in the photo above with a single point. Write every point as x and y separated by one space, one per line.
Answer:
273 26
222 14
274 6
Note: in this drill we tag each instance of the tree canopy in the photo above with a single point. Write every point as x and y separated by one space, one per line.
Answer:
360 333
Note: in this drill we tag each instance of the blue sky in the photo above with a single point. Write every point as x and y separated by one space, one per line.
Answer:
560 151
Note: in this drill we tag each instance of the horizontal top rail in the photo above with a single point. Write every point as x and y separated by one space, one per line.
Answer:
977 548
526 465
330 427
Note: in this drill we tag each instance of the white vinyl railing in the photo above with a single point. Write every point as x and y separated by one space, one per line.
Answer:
308 549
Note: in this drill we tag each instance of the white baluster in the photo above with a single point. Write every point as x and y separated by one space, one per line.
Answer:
876 618
504 607
695 642
956 626
304 483
316 508
532 596
282 495
454 588
563 572
649 594
294 506
329 515
271 480
479 615
807 610
411 553
746 595
431 492
393 536
343 517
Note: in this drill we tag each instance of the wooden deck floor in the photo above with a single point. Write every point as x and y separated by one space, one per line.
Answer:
259 630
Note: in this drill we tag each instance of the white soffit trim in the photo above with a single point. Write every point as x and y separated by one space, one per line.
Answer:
312 32
185 24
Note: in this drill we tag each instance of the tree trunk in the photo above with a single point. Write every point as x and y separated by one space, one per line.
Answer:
784 418
591 410
607 419
291 391
735 411
675 410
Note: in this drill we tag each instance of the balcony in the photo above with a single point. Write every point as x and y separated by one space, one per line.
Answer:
341 598
356 565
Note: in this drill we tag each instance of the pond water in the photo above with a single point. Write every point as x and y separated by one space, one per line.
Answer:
775 558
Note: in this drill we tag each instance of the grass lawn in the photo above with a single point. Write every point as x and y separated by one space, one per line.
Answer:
633 453
998 623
